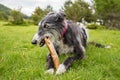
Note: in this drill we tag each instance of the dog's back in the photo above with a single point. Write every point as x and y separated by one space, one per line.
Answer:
79 31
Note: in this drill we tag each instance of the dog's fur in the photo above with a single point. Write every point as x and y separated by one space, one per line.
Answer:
74 39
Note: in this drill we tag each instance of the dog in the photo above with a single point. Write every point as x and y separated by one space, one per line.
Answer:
66 36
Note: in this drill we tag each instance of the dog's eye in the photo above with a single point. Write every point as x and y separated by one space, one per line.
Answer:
46 26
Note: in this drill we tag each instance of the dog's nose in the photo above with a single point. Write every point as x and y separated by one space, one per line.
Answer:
34 42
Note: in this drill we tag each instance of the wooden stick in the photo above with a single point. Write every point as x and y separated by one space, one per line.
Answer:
53 52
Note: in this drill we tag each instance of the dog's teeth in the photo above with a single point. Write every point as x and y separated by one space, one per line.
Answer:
41 44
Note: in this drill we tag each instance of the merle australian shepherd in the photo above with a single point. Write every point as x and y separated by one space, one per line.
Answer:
66 36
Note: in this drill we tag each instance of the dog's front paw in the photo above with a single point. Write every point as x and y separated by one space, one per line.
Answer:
61 69
50 71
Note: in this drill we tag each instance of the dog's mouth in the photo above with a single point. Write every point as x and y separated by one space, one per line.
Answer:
42 43
41 40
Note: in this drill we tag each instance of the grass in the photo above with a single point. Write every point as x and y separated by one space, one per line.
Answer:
20 60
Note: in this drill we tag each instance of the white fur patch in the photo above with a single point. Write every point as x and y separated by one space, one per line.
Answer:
108 46
61 69
50 71
35 37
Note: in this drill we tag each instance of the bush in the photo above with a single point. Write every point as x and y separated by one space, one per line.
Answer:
95 26
16 17
28 21
3 16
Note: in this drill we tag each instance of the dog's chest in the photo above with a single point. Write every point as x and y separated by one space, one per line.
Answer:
63 48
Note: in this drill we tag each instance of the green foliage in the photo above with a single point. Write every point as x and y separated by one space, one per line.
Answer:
28 21
4 12
109 12
95 26
13 16
37 15
3 16
16 17
78 10
48 9
5 9
20 60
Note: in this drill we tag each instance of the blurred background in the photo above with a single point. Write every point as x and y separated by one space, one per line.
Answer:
91 12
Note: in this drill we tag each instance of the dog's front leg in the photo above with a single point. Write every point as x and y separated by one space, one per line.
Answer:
79 54
65 65
49 65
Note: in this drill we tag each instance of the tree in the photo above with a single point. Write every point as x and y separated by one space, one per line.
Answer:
68 3
78 10
3 16
16 17
109 12
48 9
37 15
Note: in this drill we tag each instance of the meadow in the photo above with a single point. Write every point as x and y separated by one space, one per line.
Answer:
20 60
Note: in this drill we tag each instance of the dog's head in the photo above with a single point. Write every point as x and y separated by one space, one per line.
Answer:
50 26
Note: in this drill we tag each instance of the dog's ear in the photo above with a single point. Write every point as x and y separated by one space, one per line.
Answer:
60 16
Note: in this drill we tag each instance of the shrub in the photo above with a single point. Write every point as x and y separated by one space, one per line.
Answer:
16 17
95 26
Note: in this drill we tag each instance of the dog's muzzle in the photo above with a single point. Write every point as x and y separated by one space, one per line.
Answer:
34 42
38 40
41 43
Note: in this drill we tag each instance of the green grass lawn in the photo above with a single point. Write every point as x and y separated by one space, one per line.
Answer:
20 60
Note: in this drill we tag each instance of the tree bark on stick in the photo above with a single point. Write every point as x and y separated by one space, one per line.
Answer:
53 52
